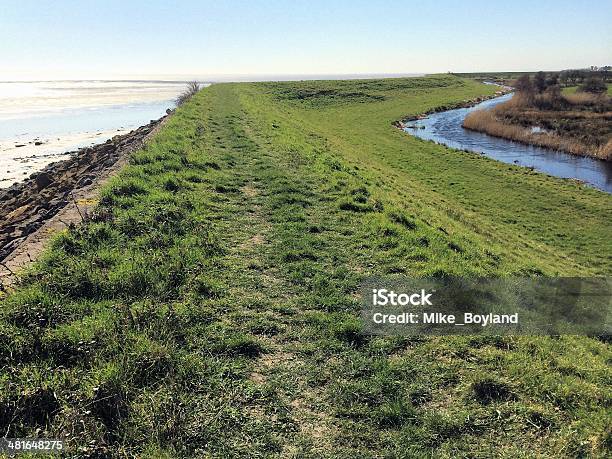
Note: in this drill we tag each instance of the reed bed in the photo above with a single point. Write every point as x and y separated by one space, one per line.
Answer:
491 122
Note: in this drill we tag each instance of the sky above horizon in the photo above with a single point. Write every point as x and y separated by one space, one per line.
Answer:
83 39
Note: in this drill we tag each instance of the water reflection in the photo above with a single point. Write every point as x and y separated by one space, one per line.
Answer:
445 127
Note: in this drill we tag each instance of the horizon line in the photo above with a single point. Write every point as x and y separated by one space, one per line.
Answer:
258 77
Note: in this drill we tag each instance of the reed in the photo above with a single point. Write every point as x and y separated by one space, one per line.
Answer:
487 122
514 119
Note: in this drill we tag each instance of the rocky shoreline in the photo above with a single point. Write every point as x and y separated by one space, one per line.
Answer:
27 205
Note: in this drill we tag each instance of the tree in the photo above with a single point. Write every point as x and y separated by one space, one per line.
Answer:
571 77
524 85
554 99
539 82
553 92
593 85
524 90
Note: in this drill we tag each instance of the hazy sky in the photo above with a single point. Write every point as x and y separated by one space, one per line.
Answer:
154 38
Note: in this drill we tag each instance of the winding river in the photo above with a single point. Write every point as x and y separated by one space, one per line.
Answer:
445 127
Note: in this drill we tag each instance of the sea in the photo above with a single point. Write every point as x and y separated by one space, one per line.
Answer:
43 121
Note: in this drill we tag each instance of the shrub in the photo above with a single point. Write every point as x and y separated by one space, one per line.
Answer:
193 87
539 82
593 85
524 85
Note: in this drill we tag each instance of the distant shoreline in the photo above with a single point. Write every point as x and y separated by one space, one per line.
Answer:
42 122
232 78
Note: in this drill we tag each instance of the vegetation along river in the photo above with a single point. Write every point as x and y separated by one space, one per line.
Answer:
446 127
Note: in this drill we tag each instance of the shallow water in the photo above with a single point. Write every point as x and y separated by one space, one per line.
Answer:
66 115
445 127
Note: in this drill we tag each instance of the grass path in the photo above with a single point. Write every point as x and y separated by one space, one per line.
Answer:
210 308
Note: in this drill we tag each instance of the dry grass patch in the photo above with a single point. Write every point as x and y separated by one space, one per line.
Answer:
580 124
487 122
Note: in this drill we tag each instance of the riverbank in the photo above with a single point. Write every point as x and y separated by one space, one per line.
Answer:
401 124
212 308
446 128
578 128
27 205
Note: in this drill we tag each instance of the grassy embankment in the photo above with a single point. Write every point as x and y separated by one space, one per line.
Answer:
209 307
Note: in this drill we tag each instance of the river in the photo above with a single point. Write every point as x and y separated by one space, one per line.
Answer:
446 127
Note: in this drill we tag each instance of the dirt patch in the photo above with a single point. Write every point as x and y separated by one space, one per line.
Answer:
276 358
257 377
313 424
255 240
249 191
258 239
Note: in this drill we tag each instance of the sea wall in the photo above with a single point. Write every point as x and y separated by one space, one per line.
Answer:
25 206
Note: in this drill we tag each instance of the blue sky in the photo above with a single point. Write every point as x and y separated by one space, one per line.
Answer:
200 38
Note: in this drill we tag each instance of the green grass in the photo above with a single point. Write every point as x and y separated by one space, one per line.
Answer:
494 76
572 90
209 309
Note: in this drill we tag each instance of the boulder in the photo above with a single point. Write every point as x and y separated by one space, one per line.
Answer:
43 180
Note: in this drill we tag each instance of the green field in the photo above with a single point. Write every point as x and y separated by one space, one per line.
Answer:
494 76
209 307
572 90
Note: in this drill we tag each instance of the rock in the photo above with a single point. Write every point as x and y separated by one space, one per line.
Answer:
57 202
42 180
8 201
22 227
8 248
17 213
25 206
